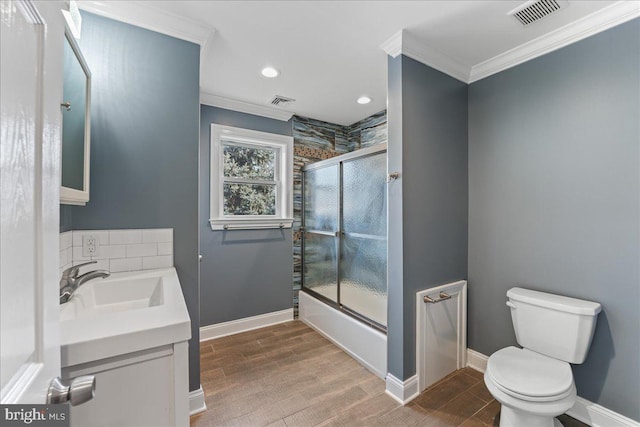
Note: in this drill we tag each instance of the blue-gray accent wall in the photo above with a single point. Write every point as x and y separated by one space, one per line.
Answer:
144 144
427 124
243 273
554 184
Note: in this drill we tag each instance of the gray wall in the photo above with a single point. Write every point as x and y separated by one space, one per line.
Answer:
66 218
243 273
144 144
428 146
554 201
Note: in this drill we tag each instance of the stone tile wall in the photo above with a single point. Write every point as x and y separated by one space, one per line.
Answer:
369 131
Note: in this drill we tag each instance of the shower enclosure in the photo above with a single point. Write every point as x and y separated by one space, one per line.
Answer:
344 246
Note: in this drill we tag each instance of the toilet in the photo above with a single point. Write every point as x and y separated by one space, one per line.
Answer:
534 384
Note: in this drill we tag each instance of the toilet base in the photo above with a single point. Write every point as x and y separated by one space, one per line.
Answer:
510 417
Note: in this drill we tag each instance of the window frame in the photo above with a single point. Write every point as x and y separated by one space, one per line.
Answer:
283 176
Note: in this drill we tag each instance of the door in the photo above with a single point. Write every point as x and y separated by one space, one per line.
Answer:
29 197
345 233
363 249
321 227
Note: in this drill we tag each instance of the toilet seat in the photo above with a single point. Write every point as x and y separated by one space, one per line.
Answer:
530 376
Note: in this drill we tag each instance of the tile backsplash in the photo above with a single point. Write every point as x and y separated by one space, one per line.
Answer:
119 250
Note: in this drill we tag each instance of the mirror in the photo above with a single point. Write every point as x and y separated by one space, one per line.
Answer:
76 119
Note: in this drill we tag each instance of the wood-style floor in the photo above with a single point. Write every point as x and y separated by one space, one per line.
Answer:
288 375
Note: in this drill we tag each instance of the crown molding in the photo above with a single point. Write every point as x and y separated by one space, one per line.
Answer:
393 45
151 18
404 43
244 107
616 14
433 58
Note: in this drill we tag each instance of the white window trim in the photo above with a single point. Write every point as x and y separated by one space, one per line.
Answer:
284 210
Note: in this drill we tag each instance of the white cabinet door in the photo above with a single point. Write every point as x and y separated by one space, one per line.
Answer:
31 38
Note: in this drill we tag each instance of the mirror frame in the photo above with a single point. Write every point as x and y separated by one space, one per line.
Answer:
72 196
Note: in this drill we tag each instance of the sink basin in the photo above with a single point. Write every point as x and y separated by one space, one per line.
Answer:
111 295
124 313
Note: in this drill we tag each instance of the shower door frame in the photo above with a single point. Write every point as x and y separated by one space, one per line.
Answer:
338 234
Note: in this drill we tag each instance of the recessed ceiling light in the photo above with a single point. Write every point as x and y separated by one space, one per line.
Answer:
364 100
270 72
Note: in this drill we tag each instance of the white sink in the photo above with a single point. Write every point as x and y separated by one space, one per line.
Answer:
111 295
121 314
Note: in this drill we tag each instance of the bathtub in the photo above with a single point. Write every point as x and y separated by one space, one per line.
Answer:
362 342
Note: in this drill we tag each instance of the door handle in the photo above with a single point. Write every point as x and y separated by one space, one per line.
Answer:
81 390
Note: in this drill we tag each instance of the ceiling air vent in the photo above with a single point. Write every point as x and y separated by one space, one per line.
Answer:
281 100
533 11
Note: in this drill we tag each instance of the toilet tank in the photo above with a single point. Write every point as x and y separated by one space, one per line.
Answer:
553 325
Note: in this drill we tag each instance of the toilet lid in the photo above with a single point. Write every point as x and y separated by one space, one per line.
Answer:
527 373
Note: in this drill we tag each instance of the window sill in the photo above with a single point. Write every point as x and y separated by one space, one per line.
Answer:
250 224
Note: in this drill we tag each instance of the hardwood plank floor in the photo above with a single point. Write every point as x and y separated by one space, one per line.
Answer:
288 375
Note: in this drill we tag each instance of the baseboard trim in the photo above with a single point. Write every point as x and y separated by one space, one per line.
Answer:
196 401
584 410
598 416
477 361
232 327
402 391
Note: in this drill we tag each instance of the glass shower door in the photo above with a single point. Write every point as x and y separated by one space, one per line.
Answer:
363 250
321 221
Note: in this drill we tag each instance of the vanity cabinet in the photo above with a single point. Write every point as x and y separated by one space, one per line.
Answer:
130 330
144 388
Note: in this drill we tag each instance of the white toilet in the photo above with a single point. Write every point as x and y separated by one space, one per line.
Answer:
534 384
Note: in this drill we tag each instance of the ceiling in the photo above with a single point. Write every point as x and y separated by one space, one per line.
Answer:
329 52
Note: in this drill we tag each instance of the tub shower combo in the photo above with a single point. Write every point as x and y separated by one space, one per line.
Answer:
344 247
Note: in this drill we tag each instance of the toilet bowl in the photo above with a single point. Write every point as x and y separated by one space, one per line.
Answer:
534 384
532 388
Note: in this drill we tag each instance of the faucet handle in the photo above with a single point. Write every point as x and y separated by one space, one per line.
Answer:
73 271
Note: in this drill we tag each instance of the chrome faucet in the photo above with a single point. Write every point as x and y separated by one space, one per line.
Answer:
70 280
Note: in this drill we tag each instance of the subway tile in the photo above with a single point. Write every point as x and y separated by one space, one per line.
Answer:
66 256
66 240
63 257
126 248
164 261
103 252
78 256
112 251
157 235
125 237
125 264
142 249
102 235
165 248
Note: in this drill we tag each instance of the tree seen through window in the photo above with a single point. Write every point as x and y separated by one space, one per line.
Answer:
249 186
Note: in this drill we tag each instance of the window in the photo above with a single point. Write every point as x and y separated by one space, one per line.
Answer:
251 179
